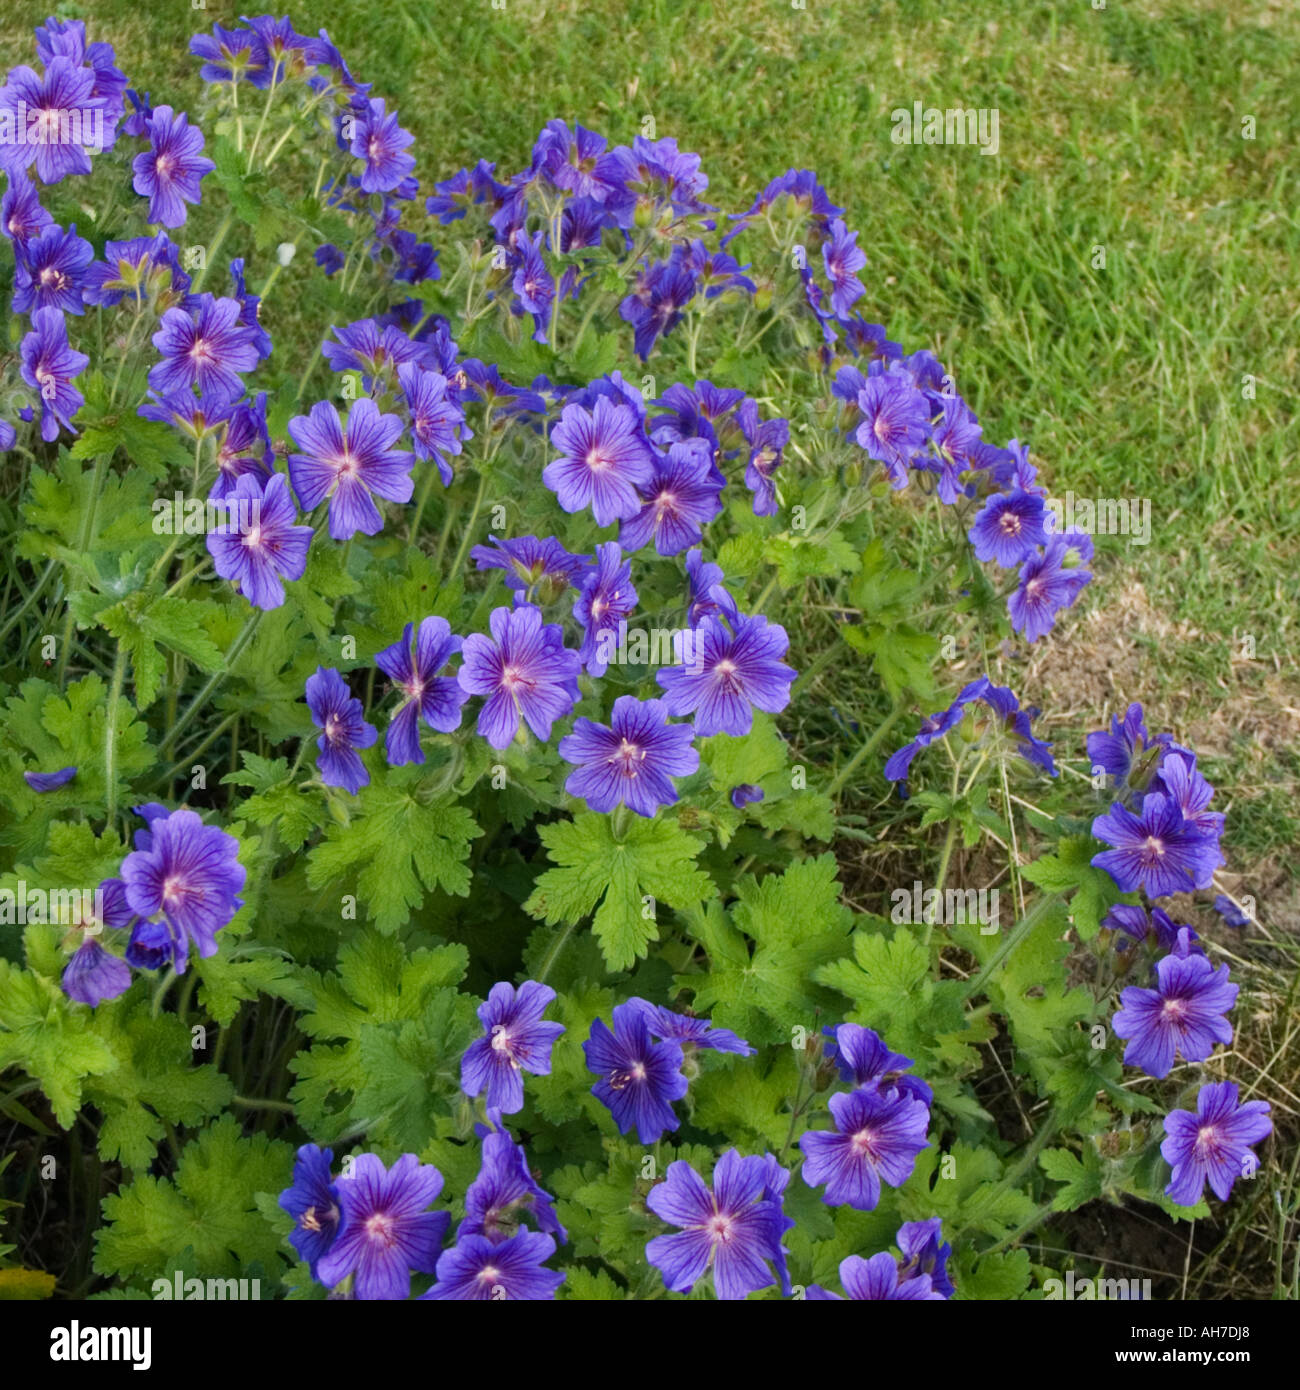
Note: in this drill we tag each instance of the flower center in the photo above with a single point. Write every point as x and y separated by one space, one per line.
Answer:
629 755
1010 523
381 1229
596 461
253 538
864 1142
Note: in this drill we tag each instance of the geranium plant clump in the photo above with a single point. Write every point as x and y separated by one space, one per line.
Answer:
411 659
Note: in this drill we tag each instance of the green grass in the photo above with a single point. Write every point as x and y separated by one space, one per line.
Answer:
1119 128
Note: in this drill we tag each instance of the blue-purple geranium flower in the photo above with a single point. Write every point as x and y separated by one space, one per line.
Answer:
348 465
523 671
1184 1015
1214 1144
639 1079
876 1139
341 719
516 1039
190 875
731 1232
631 760
260 544
386 1229
169 171
733 674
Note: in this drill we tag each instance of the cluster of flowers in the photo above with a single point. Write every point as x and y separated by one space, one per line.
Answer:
365 1232
1166 841
266 54
525 675
177 888
1006 714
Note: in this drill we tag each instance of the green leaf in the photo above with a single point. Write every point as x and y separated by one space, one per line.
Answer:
797 924
210 1204
142 625
1082 1179
1069 868
396 848
654 862
46 1035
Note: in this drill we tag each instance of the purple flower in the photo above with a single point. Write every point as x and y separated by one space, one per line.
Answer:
191 874
49 270
475 1268
381 142
843 258
707 592
864 1060
631 760
1183 1014
1115 753
372 349
146 267
639 1079
1157 849
655 306
523 669
530 563
516 1040
168 172
933 727
1008 527
207 349
51 119
731 1231
49 365
877 1136
502 1191
767 443
607 598
690 1031
745 795
1048 584
340 716
437 422
895 424
1134 923
437 699
313 1202
250 309
877 1278
573 162
21 214
604 459
8 436
93 974
49 781
533 283
259 544
1214 1143
1178 777
386 1229
923 1254
348 466
232 55
682 496
1232 914
244 449
732 675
